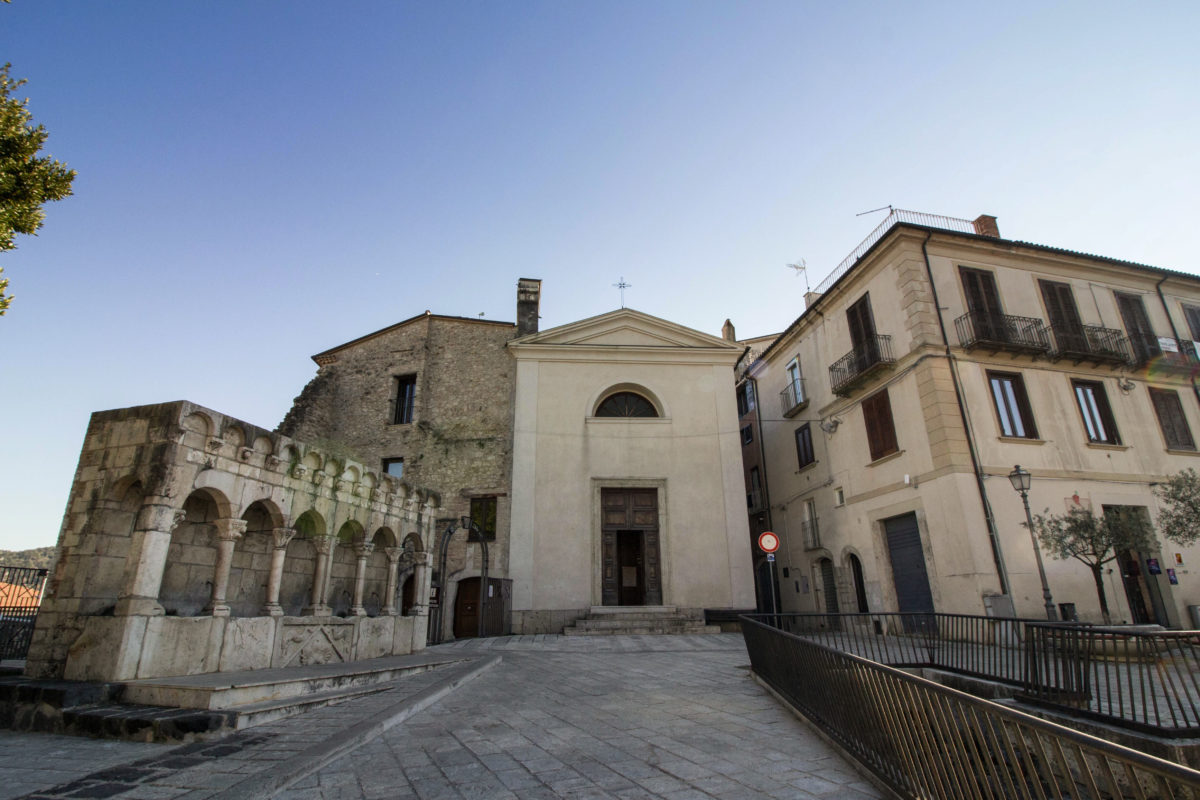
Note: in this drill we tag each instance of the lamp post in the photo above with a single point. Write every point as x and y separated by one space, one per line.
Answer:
1021 479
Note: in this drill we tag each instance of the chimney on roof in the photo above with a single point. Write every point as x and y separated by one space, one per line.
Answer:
529 297
985 225
727 332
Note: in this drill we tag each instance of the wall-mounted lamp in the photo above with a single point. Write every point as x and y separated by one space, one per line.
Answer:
1125 384
829 425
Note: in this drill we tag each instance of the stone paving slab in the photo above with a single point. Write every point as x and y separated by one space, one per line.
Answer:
629 717
257 762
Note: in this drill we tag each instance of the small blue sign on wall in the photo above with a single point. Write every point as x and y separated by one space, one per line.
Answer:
1153 566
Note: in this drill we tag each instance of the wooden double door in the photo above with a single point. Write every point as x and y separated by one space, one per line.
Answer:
630 570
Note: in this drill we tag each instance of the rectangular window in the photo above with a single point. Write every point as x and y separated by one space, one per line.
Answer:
1097 415
483 514
804 447
839 497
406 390
394 467
881 431
1012 405
754 496
747 434
1171 420
1192 313
745 399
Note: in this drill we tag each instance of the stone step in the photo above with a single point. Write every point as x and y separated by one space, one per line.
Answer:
634 630
664 622
221 690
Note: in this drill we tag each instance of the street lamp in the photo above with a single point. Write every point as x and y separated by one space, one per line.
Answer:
1021 479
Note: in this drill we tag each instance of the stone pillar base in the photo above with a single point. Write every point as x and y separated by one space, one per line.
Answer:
273 610
318 611
358 611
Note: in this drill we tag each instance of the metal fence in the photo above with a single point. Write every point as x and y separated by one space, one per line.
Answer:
924 740
20 597
1147 681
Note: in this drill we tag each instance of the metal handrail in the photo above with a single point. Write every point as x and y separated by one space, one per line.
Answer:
21 591
810 532
1164 351
1004 331
844 372
793 397
1142 680
1090 343
925 740
896 216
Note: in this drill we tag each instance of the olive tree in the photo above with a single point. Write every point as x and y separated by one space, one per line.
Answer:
1179 519
1093 540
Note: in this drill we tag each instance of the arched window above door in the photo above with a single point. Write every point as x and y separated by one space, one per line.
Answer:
626 404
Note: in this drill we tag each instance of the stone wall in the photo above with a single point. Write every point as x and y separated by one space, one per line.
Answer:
194 542
459 441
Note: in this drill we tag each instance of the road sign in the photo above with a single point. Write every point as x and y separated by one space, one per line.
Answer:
770 556
768 542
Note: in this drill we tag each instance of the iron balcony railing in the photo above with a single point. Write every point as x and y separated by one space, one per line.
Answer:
1002 332
810 532
1090 343
1164 352
1147 681
793 398
860 363
924 740
20 598
896 216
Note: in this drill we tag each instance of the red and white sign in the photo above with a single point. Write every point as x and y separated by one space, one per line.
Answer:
768 542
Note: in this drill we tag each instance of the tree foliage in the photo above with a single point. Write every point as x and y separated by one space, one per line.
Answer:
27 181
1179 520
1093 540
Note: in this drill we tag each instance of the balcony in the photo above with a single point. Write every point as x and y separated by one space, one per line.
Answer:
996 332
853 369
1162 352
1090 343
793 399
810 533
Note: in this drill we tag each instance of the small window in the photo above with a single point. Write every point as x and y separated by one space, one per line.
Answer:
1012 405
1170 418
626 404
754 496
804 445
483 514
747 434
839 497
394 467
745 398
1097 415
406 390
881 430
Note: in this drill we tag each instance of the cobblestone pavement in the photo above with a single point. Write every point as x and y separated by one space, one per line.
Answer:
31 761
582 717
598 717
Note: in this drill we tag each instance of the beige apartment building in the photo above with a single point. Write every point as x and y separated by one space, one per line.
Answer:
933 360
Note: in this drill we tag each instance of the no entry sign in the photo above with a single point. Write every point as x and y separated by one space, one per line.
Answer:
768 542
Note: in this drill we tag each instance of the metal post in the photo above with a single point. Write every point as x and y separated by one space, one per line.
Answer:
771 581
1051 613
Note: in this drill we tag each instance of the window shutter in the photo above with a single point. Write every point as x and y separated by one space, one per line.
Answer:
1171 420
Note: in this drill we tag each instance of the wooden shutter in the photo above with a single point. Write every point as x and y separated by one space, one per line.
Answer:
1171 420
980 289
1193 320
881 432
1137 325
862 324
1060 305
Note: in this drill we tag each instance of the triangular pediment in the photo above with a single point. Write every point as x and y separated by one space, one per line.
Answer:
626 328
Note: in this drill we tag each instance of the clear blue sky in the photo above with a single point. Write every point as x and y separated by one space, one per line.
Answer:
260 181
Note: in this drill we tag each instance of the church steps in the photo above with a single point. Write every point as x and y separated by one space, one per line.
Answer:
629 620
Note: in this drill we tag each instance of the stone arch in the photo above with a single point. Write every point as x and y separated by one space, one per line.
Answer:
300 563
826 577
197 429
651 397
407 576
112 522
854 568
262 445
344 568
250 568
187 580
234 435
375 580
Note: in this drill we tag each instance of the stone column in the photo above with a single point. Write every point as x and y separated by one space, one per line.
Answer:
278 555
228 532
363 551
422 572
393 557
324 547
147 558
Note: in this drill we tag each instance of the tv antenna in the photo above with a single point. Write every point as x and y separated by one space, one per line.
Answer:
801 267
873 210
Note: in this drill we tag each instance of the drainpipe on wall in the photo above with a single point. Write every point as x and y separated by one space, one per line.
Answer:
989 520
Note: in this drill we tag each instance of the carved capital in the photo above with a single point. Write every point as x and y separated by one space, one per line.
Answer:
245 453
299 471
230 530
282 536
177 518
214 444
364 549
324 544
341 485
394 554
273 462
319 477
